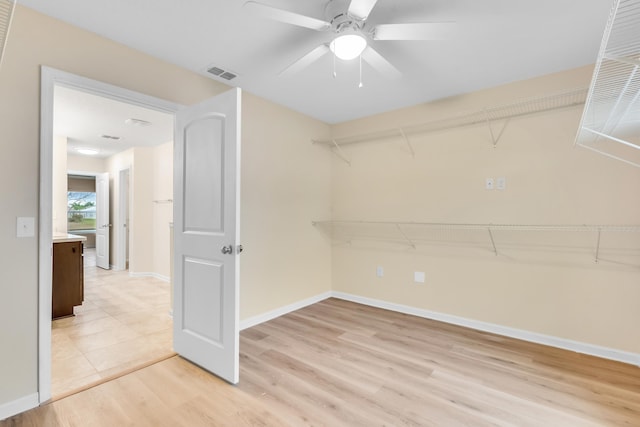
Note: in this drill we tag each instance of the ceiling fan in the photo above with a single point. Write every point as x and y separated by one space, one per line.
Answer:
347 20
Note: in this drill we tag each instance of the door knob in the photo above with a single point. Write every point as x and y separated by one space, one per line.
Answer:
227 249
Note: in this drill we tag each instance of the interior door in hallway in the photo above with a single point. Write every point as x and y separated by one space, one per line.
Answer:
206 233
103 224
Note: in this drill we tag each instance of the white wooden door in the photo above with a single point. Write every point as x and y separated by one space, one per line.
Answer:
102 220
206 233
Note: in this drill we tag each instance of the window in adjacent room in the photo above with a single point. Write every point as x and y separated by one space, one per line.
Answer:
81 210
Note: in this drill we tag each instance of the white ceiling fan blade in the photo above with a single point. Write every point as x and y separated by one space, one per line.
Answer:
419 31
286 16
378 62
361 8
305 61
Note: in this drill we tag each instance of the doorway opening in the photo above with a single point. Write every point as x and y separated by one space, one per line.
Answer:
206 329
124 320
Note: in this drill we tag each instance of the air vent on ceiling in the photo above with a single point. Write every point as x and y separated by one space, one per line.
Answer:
115 138
215 71
223 74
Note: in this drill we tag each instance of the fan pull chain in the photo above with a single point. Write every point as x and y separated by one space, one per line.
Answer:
334 66
360 85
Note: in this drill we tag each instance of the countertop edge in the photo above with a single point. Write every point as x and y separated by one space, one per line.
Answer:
62 238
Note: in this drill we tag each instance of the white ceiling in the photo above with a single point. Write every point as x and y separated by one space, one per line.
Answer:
84 118
497 41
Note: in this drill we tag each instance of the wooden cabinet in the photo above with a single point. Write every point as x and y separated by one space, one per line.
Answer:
68 278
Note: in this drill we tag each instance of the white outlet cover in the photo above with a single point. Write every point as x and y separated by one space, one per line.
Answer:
418 276
488 184
379 271
501 183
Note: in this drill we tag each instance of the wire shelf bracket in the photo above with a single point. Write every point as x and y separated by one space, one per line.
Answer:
411 243
406 139
493 242
338 152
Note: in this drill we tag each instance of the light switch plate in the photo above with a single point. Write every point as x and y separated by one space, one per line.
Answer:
25 226
418 276
379 271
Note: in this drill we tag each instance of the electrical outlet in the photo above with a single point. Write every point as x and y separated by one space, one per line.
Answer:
488 184
418 276
501 183
379 271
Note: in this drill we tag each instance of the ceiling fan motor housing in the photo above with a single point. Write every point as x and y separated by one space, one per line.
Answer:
337 14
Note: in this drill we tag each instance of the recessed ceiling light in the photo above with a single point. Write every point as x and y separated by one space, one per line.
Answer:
87 151
137 122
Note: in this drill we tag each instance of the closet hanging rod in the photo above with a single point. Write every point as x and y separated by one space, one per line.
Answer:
493 227
163 201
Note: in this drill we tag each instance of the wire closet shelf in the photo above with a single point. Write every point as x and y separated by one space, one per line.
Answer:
413 234
610 122
6 14
485 116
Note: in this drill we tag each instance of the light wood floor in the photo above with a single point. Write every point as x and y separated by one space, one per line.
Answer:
124 322
337 363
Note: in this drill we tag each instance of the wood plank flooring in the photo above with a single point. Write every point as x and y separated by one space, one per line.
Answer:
123 323
337 363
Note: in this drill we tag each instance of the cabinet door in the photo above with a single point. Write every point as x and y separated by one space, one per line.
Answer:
67 286
77 285
81 273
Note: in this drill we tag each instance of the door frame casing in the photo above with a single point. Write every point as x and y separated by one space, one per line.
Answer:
49 79
124 204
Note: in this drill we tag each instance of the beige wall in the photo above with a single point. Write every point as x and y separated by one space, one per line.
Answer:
141 211
285 180
59 185
162 212
285 185
540 282
150 178
86 164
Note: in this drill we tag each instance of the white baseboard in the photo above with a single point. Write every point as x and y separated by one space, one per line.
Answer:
150 274
25 403
256 320
579 347
566 344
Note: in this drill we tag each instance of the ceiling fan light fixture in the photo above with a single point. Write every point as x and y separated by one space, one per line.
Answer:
348 46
